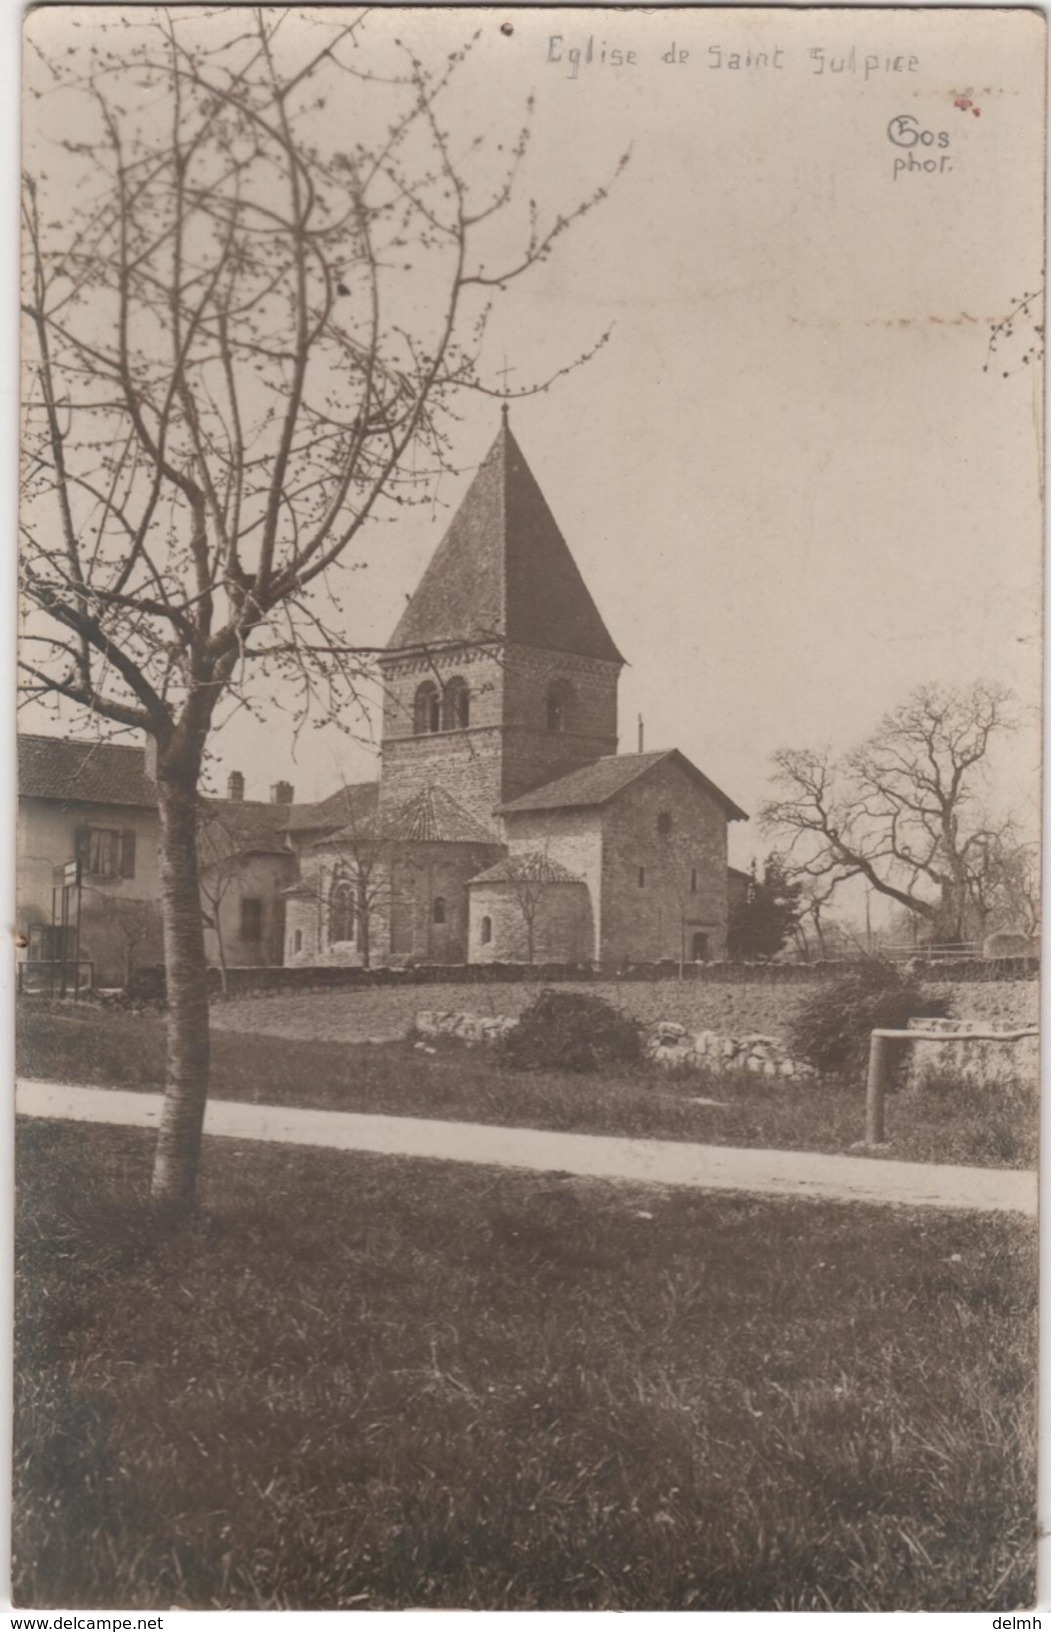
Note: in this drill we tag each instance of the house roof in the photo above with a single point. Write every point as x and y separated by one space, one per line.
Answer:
242 825
95 773
432 816
529 865
605 778
350 806
503 570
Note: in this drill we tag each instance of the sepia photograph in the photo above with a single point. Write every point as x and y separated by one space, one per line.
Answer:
528 916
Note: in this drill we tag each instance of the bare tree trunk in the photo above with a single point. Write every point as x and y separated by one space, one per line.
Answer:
186 1088
363 923
220 947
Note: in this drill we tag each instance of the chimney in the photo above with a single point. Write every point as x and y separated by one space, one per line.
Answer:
235 786
641 735
281 793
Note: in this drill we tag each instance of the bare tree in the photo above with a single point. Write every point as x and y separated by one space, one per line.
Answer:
221 855
127 930
256 278
903 811
530 875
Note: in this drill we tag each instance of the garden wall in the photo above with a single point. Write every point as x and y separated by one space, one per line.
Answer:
317 977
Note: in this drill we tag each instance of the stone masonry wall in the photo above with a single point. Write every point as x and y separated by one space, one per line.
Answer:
534 755
562 925
574 839
507 748
645 922
467 762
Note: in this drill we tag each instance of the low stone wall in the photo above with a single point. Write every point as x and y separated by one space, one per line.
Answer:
695 977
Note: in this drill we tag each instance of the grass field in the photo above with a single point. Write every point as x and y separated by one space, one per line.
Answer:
372 1383
943 1121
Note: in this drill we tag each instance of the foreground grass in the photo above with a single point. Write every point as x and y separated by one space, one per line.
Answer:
946 1121
361 1381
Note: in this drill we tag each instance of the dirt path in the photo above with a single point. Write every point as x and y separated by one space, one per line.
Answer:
646 1161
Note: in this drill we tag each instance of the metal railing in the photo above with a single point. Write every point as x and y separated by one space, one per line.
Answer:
45 975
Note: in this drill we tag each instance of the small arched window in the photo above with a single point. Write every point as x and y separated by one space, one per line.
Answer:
693 881
664 823
438 910
457 708
427 711
487 931
559 706
341 912
642 878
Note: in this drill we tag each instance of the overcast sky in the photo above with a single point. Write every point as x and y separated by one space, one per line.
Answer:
793 491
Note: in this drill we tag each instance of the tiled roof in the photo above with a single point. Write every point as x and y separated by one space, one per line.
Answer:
430 817
604 778
531 865
350 806
240 826
504 570
96 773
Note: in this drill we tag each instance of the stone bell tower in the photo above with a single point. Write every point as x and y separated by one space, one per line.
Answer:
501 674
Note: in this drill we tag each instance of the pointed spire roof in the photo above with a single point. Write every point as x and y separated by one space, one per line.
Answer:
504 570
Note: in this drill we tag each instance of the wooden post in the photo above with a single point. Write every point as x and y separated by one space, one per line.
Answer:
875 1095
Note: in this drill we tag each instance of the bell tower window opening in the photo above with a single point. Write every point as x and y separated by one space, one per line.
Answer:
559 706
438 910
427 709
457 706
664 823
693 881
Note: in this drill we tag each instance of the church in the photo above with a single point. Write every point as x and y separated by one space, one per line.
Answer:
505 826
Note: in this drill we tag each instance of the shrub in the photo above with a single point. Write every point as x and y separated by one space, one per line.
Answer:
831 1029
572 1031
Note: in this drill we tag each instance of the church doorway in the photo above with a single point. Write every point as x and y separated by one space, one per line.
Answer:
699 951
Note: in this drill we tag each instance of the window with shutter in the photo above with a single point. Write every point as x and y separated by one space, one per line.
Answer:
103 858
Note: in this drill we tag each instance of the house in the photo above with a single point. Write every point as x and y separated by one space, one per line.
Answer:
96 803
92 802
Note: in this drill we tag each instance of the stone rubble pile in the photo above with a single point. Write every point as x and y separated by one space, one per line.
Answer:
470 1028
669 1044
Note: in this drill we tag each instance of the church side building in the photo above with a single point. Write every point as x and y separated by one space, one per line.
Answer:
505 826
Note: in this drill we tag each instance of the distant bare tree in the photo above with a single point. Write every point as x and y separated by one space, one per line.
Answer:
221 857
903 811
256 279
530 875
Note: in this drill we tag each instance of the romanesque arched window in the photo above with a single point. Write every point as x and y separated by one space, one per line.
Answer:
559 706
487 930
457 705
427 712
664 823
438 910
341 911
